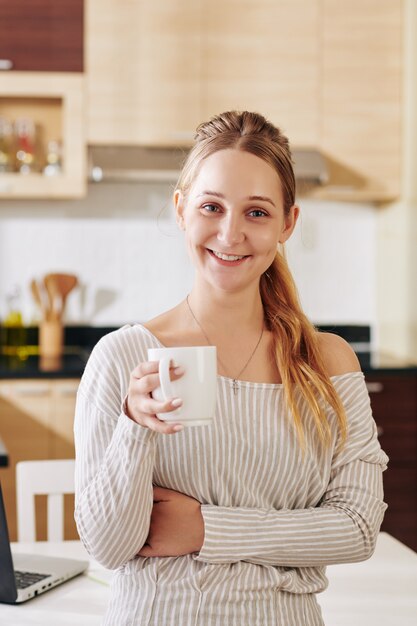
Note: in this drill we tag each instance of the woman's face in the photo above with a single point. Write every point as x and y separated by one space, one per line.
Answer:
233 218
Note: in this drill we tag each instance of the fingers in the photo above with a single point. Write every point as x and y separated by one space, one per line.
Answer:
146 551
141 407
159 426
152 367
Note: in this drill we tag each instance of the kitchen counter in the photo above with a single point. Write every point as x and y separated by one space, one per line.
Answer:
71 365
75 358
80 340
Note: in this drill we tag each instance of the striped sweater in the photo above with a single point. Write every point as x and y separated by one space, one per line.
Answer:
274 517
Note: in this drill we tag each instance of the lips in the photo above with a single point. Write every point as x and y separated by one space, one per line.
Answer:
227 259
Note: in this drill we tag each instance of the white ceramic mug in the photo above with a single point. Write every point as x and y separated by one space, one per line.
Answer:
197 387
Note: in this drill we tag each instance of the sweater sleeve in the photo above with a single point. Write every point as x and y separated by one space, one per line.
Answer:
114 465
342 528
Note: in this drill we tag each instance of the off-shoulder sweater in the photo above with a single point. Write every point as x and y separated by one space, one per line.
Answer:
274 516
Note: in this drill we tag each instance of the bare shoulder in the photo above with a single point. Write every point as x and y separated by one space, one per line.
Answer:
338 356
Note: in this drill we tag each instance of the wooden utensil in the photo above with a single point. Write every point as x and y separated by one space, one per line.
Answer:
37 295
59 286
52 293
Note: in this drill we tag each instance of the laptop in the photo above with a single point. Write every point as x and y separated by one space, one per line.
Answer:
25 576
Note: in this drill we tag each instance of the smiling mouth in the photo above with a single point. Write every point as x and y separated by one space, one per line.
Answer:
227 257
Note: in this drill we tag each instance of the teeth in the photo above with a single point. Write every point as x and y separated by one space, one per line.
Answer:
227 257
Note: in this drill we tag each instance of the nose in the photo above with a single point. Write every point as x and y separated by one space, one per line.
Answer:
230 231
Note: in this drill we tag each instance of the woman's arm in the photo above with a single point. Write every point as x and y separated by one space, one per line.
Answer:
114 453
342 527
114 495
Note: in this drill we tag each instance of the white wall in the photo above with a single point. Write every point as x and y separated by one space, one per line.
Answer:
132 264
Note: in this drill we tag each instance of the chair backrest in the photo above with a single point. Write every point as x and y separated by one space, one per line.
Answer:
51 478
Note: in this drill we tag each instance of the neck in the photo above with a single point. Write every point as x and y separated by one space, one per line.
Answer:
231 312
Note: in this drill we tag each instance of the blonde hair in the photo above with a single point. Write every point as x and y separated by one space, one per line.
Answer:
295 339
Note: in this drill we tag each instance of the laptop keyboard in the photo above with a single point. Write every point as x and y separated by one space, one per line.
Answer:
25 579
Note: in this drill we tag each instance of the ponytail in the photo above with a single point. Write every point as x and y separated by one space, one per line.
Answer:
297 353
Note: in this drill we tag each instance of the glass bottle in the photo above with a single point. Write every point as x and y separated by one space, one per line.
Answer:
14 333
6 161
53 158
25 154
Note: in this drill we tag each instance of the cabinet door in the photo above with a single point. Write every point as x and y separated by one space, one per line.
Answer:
36 422
143 65
63 396
264 56
394 406
24 427
361 95
62 418
45 35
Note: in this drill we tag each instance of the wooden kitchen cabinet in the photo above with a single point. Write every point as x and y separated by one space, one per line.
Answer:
156 70
143 71
55 103
264 56
36 422
41 35
361 97
328 73
394 406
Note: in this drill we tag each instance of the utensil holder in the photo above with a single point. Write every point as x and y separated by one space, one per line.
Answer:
51 338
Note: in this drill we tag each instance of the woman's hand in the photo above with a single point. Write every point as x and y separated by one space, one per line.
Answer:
139 404
177 525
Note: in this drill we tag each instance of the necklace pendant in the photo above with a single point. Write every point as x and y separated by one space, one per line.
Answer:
235 386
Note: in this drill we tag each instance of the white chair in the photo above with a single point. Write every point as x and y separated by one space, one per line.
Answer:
51 478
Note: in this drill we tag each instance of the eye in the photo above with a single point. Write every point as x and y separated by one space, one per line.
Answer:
210 208
258 213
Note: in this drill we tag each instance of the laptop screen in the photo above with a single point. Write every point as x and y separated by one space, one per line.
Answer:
8 591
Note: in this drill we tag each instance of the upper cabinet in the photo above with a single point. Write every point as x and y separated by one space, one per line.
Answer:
42 106
42 36
155 70
329 75
143 69
361 96
264 56
42 139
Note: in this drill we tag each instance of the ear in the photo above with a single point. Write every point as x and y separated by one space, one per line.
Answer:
290 221
179 208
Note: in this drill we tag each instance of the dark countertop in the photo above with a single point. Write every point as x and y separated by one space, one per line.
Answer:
380 363
71 365
80 340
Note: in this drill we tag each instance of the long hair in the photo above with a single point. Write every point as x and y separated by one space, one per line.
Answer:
295 339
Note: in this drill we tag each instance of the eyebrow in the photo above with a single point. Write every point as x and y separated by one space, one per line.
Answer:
220 195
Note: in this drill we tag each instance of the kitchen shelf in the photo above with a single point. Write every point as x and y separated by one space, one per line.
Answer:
55 101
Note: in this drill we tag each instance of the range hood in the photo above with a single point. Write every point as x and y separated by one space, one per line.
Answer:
143 164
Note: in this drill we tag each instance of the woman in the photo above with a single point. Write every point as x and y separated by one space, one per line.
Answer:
233 523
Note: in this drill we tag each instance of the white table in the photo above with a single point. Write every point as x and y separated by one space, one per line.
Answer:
78 602
379 592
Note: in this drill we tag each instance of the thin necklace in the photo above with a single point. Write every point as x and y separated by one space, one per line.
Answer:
235 379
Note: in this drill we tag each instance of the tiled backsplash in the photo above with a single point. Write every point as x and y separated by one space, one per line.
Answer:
125 247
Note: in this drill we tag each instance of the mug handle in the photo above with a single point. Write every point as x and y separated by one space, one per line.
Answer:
164 378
